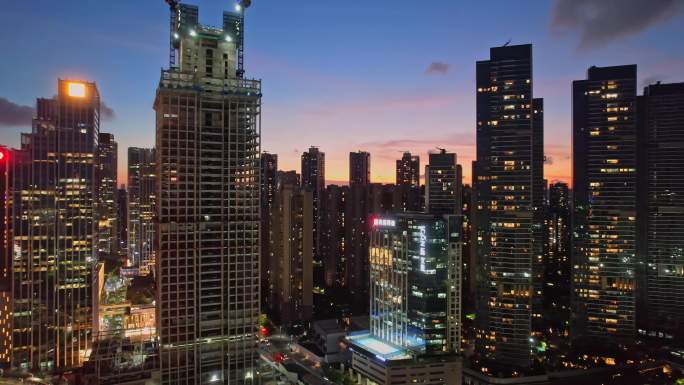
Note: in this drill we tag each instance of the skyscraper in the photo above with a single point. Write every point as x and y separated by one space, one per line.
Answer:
415 301
508 216
604 210
208 150
107 228
142 196
54 231
122 220
557 286
313 179
359 168
334 245
292 271
661 111
443 184
5 257
268 187
408 170
407 196
356 237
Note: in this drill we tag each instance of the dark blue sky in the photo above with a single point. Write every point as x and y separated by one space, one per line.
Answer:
342 75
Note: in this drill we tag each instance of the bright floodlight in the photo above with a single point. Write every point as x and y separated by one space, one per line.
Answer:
228 38
76 90
193 33
238 8
175 35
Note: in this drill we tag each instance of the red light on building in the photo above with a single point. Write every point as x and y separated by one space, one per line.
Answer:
3 155
278 358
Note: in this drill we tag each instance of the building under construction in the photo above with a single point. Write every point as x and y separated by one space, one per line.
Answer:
208 145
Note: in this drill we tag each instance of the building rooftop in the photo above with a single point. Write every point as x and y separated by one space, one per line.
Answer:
383 350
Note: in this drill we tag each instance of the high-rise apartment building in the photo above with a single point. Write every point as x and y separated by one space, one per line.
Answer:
661 178
107 224
313 179
356 237
359 168
407 196
208 165
415 301
142 197
408 170
54 238
268 188
557 287
292 270
122 220
333 242
604 186
6 158
507 216
443 184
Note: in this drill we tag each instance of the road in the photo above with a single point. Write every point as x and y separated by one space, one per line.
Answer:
281 343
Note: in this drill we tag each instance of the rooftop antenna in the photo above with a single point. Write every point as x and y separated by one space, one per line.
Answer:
507 43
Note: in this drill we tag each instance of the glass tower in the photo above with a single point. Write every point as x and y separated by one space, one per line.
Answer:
142 194
54 232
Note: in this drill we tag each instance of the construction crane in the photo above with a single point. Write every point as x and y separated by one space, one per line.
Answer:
240 7
173 7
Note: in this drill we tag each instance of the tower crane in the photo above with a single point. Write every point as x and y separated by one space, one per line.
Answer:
173 7
240 7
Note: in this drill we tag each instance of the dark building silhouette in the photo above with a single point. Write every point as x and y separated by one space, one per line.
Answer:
359 168
313 179
407 194
334 247
107 218
508 216
356 233
122 220
408 170
604 209
6 157
142 198
661 174
382 198
443 184
557 286
268 187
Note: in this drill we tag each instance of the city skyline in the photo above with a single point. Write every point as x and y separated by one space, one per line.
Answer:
476 233
432 85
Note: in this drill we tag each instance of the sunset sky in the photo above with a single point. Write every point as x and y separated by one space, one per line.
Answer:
379 76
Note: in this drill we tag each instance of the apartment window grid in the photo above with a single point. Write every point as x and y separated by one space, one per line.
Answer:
212 172
606 285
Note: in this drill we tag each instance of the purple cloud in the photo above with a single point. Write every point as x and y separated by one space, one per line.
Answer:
600 21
